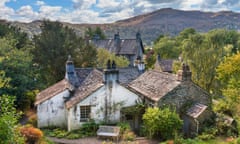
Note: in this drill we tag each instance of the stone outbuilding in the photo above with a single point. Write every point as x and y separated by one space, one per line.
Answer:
159 89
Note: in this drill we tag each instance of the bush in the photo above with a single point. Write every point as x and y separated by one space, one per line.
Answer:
164 121
31 134
128 135
123 126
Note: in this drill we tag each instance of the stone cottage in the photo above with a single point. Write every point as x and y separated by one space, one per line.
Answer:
101 95
86 94
158 89
132 49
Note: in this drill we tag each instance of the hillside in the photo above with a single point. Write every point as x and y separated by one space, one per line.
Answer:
151 25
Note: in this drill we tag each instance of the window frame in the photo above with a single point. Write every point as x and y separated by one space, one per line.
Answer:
85 112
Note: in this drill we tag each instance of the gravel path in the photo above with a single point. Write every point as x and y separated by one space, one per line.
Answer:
94 140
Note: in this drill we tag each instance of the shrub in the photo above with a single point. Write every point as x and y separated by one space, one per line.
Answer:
164 121
31 134
128 135
124 126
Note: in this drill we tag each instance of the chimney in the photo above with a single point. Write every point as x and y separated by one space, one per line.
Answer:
71 75
117 41
185 74
138 36
111 74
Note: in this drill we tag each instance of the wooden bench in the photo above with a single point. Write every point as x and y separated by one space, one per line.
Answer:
108 131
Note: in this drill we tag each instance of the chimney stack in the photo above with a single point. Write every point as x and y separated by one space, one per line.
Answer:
111 73
71 75
185 74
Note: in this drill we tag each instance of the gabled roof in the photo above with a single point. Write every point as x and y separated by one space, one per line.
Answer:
53 91
125 47
166 65
196 110
154 84
91 83
126 75
90 80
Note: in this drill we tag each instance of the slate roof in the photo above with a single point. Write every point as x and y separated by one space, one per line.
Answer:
154 84
126 75
53 91
196 110
166 65
90 79
126 46
92 82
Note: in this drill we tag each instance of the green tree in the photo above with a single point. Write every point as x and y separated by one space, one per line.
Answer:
163 121
14 32
52 48
204 52
104 55
228 72
18 67
166 47
90 33
8 116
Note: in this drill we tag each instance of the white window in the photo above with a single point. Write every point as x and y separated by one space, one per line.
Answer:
85 113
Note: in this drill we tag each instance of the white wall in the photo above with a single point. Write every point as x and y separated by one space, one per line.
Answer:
97 102
52 112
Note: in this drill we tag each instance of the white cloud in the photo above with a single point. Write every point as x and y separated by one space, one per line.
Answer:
5 12
40 3
83 4
106 11
49 12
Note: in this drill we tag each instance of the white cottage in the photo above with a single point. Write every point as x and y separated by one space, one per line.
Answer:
86 94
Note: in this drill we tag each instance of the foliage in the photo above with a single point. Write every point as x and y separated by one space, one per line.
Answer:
104 55
52 48
166 48
19 70
204 52
150 58
8 121
31 134
86 130
124 126
229 74
128 135
97 33
164 121
15 33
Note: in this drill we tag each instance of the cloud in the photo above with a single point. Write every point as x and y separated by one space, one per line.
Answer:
83 4
49 12
5 12
106 11
40 3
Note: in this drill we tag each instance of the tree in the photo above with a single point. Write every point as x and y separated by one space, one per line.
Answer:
16 64
166 47
14 32
204 52
228 72
163 121
8 121
52 48
90 33
104 55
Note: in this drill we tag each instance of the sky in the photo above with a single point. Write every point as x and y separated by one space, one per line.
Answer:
101 11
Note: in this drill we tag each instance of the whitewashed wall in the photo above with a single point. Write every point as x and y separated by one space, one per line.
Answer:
97 102
52 112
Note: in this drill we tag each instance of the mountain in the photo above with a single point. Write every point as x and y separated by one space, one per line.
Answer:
151 25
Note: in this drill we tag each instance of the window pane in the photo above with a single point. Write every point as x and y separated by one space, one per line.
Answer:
85 113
